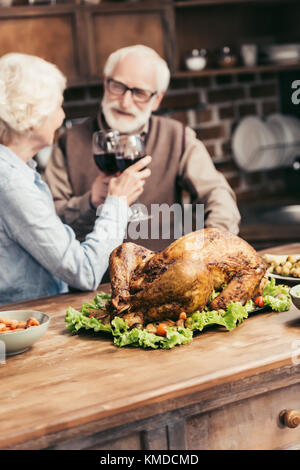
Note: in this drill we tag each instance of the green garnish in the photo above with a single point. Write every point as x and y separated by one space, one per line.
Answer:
275 296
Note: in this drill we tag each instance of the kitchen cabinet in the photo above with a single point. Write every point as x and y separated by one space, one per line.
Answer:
49 32
225 390
79 36
110 29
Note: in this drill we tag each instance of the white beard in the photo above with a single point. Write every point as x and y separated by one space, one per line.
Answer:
124 124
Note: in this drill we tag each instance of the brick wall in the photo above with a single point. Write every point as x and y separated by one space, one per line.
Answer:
212 106
227 99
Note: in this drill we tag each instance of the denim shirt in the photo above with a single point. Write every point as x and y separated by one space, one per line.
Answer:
39 255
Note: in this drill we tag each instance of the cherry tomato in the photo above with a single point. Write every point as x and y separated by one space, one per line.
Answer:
161 329
259 301
91 315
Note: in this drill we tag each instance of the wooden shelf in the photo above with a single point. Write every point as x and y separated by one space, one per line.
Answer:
237 70
75 82
196 3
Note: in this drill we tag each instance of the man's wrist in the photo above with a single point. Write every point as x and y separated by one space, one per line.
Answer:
92 204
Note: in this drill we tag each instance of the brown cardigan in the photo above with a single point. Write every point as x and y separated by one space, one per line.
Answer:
179 161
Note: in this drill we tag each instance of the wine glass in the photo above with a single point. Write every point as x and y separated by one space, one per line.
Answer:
131 149
105 149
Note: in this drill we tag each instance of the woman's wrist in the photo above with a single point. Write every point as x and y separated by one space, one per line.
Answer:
113 204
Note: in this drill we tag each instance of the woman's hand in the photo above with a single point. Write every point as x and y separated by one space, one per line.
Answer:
130 184
99 189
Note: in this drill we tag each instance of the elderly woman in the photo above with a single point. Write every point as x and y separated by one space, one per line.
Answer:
39 255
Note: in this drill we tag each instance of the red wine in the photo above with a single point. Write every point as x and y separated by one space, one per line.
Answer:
106 162
123 162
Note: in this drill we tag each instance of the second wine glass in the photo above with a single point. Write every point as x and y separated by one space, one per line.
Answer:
131 149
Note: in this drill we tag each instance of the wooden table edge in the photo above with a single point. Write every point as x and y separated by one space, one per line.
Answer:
145 408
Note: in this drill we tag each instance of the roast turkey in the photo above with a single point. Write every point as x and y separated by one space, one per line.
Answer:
150 287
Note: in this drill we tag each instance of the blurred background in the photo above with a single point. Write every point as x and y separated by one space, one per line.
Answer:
235 78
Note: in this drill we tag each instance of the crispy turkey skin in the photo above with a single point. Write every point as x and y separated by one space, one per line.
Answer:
149 287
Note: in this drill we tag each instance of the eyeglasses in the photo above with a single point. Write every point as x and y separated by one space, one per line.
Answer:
138 95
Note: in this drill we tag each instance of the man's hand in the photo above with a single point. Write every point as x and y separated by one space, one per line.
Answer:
99 189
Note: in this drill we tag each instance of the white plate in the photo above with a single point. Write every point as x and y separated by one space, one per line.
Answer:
294 280
275 124
248 142
279 136
290 132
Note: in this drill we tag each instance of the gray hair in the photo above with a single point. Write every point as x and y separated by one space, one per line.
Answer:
30 89
162 69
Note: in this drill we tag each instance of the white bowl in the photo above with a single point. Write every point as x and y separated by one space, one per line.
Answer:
283 52
295 298
16 342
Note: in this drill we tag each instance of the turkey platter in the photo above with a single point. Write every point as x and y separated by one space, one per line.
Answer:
151 287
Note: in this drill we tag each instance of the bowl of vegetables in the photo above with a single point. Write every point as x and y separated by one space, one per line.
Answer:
295 294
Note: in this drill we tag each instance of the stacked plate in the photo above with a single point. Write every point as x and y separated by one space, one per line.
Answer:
249 140
265 145
287 132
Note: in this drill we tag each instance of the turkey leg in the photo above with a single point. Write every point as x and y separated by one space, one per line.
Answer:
123 261
243 286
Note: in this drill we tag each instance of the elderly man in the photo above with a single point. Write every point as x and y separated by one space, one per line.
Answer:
135 81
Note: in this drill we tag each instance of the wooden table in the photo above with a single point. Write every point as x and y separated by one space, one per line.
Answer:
224 390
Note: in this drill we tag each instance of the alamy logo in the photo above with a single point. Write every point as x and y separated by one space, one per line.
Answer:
165 221
296 93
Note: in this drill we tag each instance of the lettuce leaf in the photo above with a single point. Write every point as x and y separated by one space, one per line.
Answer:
249 306
277 296
77 320
278 304
234 315
272 289
139 337
98 303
